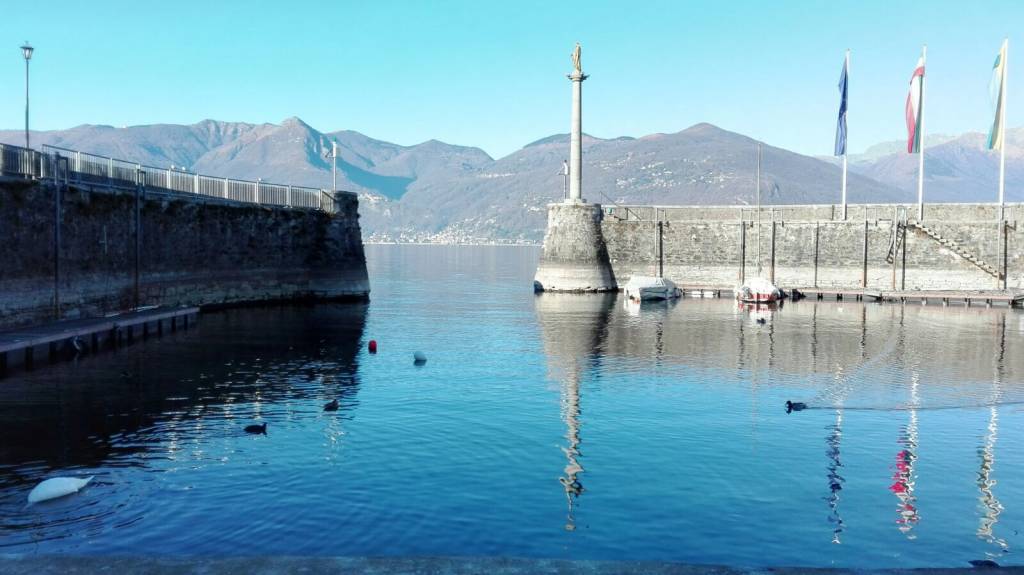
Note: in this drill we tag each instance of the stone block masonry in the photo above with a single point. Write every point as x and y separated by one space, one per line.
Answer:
810 246
119 250
574 257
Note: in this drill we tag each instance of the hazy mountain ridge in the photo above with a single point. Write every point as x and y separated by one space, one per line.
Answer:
435 191
956 168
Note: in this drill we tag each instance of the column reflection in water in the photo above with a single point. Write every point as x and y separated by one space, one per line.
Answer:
573 329
904 476
835 480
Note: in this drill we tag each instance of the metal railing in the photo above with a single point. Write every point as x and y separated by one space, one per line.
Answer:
76 167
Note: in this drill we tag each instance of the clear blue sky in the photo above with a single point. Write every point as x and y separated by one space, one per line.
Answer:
493 74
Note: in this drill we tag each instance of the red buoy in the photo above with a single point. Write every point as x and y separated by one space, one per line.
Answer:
373 346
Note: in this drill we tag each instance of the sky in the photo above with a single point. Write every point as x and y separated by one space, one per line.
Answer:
493 74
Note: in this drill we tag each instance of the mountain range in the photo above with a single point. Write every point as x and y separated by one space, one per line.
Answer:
441 192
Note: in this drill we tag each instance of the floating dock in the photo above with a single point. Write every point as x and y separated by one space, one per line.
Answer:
968 298
71 337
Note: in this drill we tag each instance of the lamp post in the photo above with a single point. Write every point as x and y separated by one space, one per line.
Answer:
26 50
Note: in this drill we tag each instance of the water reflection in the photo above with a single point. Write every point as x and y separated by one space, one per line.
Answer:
156 404
990 505
835 479
904 476
574 330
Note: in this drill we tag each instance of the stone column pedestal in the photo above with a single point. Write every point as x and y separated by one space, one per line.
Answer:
575 257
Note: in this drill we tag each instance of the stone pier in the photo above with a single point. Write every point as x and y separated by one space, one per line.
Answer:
575 258
108 250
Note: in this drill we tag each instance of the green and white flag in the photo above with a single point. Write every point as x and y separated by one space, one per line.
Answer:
997 89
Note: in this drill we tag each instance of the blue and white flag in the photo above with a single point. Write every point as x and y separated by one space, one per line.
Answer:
841 122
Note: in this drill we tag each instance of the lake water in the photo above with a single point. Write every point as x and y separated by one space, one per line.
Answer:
540 426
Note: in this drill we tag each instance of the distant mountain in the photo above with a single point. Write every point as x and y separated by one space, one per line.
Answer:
956 169
441 192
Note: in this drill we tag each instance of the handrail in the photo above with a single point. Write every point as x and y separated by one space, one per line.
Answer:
92 169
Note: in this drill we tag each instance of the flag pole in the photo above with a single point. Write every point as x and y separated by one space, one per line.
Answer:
846 135
920 151
1002 127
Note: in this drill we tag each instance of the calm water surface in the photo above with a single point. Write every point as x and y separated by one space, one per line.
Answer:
541 426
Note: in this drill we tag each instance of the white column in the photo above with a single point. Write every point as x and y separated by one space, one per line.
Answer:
575 139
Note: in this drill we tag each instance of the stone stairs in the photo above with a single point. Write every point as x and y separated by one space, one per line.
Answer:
951 245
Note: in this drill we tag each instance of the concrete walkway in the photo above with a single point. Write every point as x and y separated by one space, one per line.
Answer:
71 565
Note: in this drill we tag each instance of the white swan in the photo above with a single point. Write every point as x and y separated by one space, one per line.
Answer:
57 487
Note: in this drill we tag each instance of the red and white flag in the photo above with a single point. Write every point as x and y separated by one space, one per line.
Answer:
914 104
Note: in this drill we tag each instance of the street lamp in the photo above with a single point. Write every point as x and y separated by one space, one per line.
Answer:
26 50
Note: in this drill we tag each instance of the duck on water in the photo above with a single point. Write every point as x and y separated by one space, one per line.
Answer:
792 406
256 428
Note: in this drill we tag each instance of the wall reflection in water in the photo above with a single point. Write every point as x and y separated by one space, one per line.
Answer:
574 329
853 357
162 392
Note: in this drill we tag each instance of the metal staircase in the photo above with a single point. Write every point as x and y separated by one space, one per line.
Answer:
899 224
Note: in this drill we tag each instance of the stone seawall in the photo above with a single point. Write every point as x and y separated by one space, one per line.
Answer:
811 246
117 253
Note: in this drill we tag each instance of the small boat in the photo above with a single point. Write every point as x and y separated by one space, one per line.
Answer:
651 288
758 290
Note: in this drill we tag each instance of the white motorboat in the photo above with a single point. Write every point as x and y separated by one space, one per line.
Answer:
758 290
651 288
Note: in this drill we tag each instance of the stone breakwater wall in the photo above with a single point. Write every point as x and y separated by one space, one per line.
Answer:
813 246
110 251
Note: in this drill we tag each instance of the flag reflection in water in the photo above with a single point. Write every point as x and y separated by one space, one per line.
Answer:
904 476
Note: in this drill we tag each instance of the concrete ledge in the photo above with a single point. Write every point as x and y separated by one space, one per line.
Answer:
72 565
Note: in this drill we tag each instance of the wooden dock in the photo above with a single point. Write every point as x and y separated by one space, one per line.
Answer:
968 298
70 337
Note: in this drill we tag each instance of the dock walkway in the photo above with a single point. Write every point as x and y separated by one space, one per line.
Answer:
987 298
19 346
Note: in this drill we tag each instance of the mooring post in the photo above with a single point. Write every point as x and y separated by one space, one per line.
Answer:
895 242
773 249
138 235
903 273
56 246
1006 261
661 250
742 252
864 271
817 232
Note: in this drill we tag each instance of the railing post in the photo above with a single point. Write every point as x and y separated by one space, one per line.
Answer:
196 183
225 188
256 185
288 200
110 171
78 166
168 182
